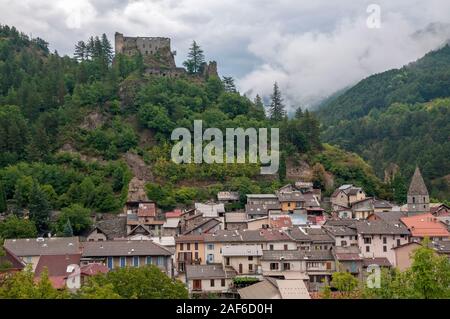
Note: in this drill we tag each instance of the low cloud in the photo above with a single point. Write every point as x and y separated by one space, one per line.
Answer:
311 48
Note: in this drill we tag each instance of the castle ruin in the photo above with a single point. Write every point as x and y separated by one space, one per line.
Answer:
158 57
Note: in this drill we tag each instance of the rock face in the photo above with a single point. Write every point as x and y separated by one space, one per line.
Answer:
138 167
93 120
136 190
389 173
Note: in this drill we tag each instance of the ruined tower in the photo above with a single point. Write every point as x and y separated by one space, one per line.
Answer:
418 198
155 50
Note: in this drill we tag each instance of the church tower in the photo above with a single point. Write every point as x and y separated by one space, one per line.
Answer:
418 198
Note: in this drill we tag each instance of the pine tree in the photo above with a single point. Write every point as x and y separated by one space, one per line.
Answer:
228 84
68 230
98 48
299 113
195 59
90 48
80 51
39 208
2 198
277 108
259 103
107 48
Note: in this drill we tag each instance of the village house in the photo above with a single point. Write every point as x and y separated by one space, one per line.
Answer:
319 238
110 229
30 250
143 214
262 199
346 195
10 263
209 279
439 210
278 263
376 239
190 250
343 236
243 259
349 259
403 255
228 197
255 211
361 209
127 253
58 267
235 220
320 264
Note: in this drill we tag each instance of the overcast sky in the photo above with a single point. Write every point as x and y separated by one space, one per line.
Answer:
312 48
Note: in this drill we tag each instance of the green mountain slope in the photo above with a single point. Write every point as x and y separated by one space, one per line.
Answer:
74 133
399 117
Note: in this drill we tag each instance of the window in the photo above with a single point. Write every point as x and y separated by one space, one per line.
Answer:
367 249
273 266
367 240
181 246
188 246
270 247
285 247
250 257
250 267
196 255
110 262
136 261
210 246
122 262
211 282
343 243
286 266
384 248
398 242
148 260
384 240
210 258
196 246
222 282
160 261
197 284
414 200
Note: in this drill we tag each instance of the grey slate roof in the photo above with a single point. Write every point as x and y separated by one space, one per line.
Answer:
43 246
113 228
282 255
123 248
340 230
318 235
318 255
214 271
393 216
380 227
417 186
260 209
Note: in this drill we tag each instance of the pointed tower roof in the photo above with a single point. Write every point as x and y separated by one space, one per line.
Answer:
417 186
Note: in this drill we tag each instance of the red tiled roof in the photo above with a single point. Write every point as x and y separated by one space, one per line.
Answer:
147 210
57 268
425 225
94 269
174 214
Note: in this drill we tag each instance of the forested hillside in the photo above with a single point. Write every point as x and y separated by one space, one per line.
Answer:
75 131
399 118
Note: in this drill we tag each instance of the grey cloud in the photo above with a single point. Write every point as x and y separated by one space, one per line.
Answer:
312 48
